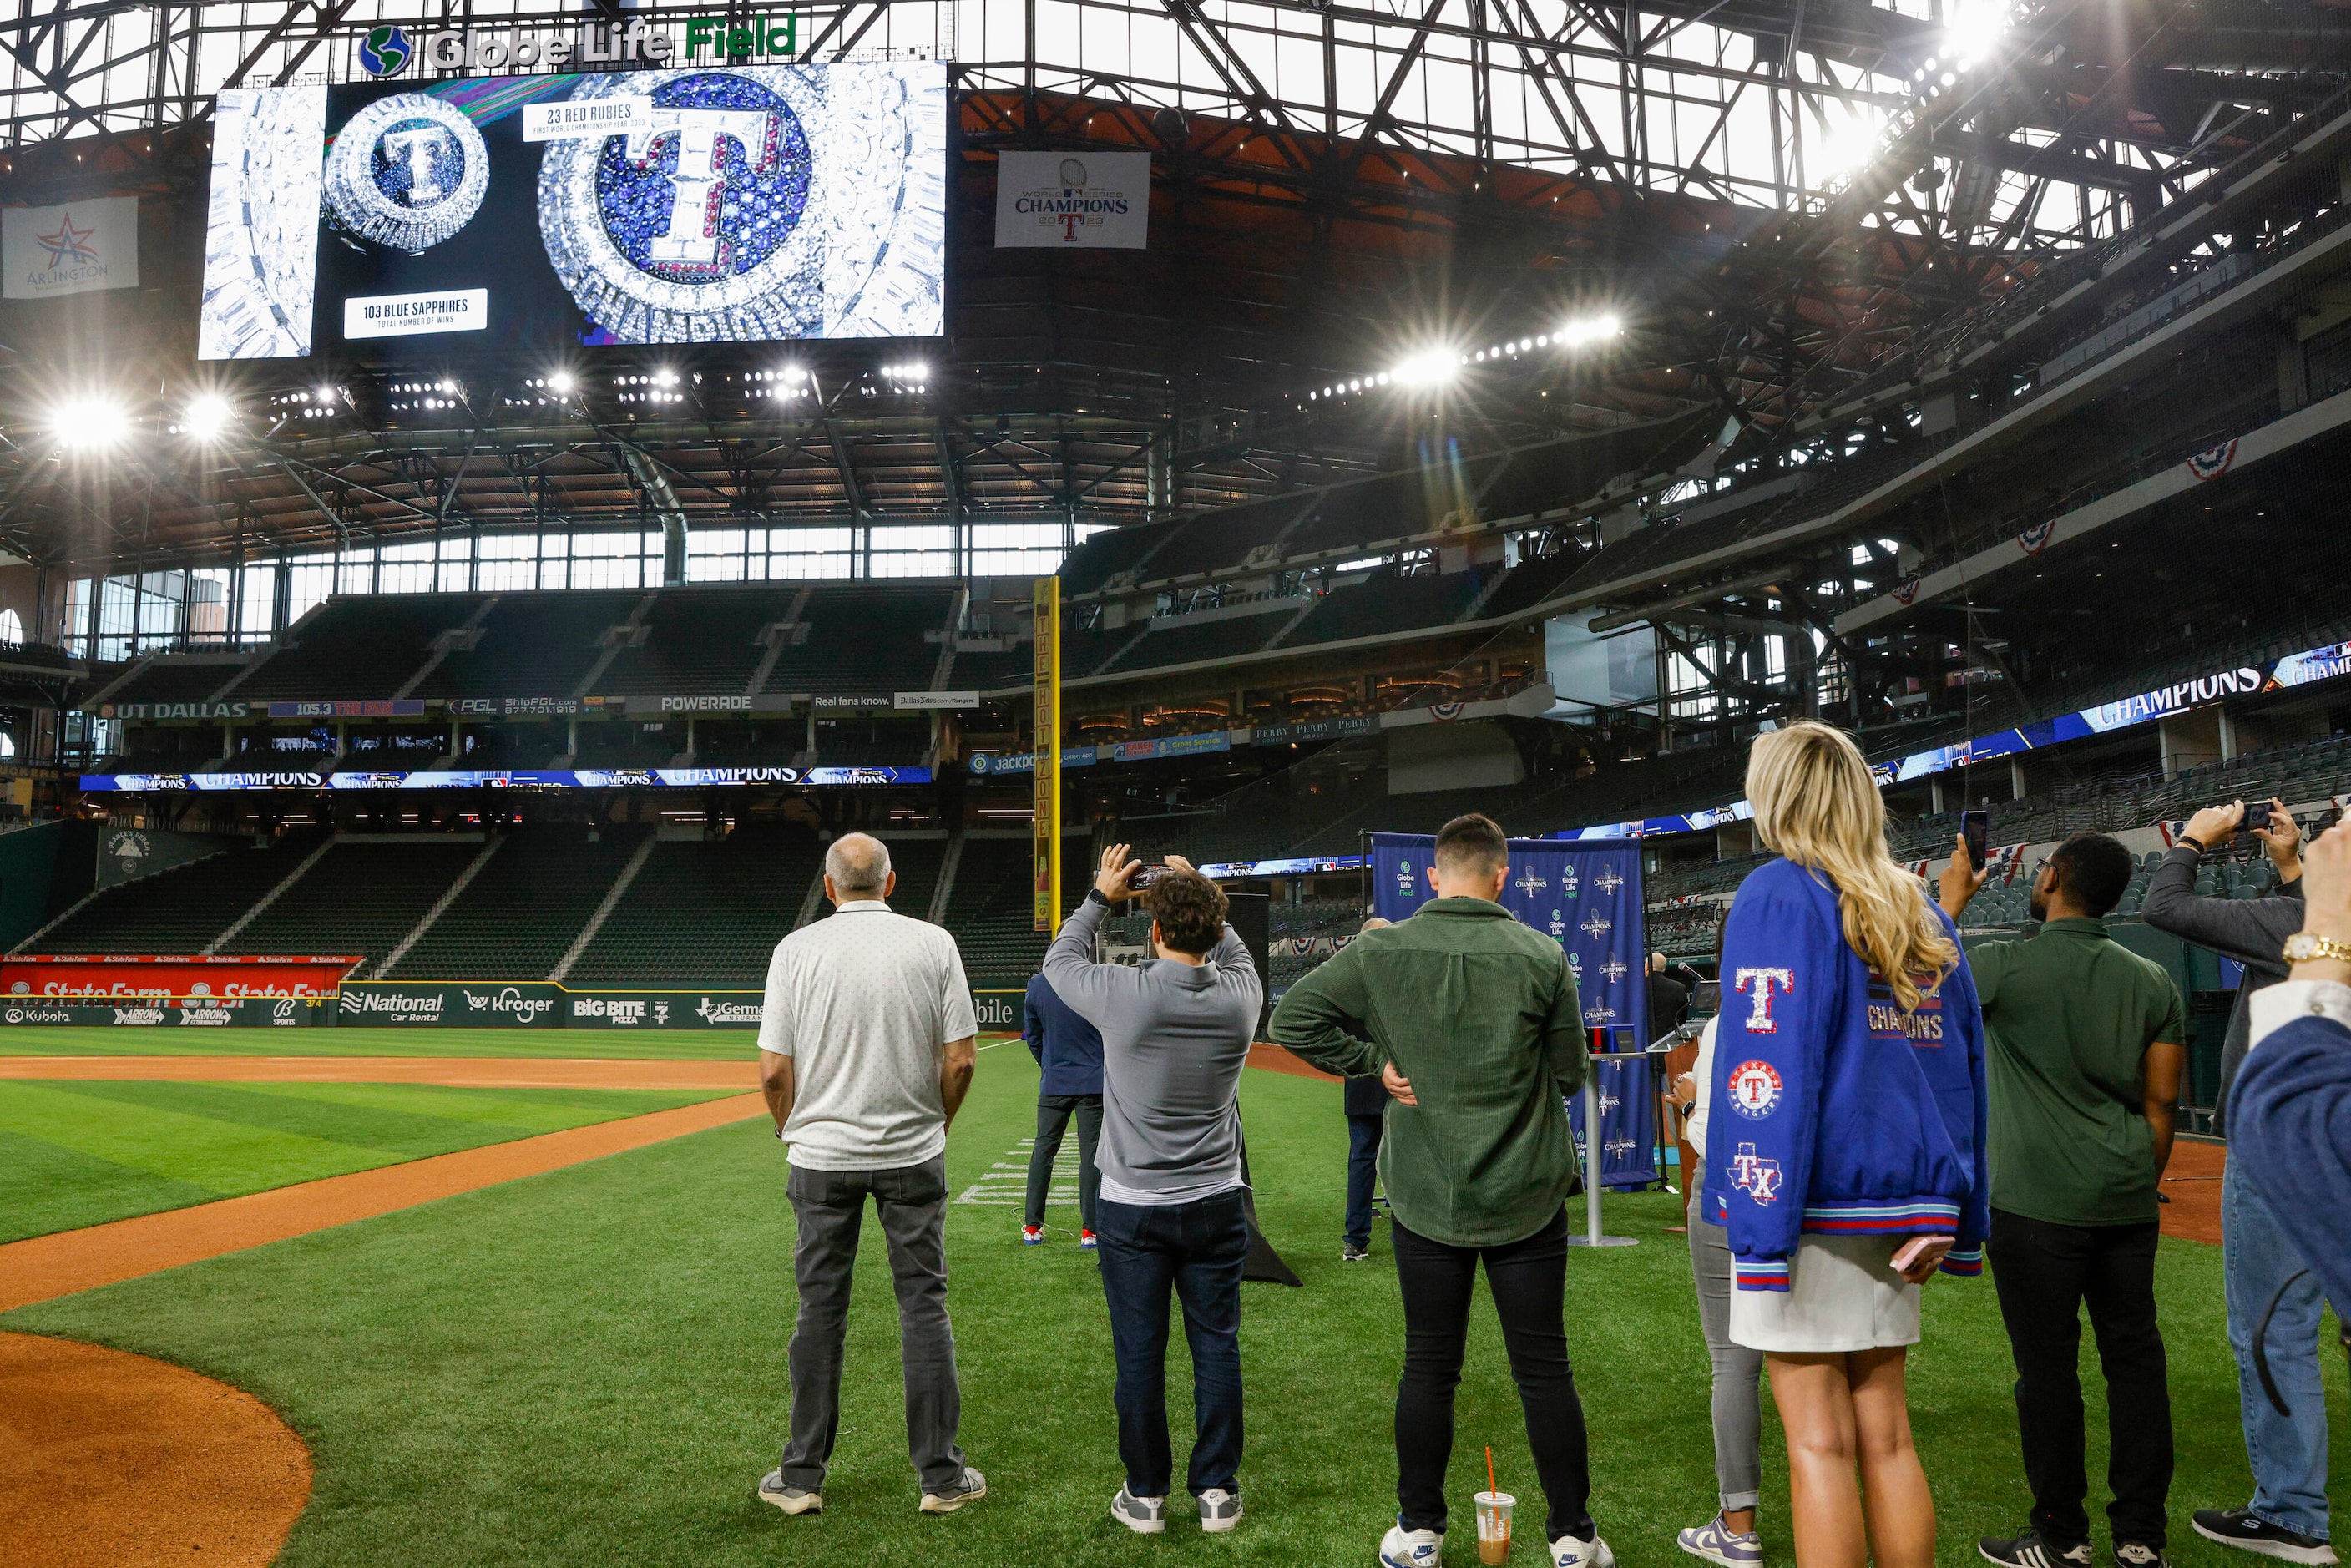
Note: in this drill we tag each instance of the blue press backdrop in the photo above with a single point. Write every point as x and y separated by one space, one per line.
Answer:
1587 898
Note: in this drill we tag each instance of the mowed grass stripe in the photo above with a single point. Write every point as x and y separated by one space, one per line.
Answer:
81 1153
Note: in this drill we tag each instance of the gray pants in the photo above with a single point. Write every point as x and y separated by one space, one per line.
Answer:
830 1206
1738 1415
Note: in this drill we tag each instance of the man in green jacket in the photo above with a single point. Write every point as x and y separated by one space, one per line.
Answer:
1471 1021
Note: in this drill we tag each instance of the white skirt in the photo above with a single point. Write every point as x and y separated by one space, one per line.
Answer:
1842 1295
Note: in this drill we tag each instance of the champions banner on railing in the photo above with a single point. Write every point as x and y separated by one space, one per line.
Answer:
1628 1120
1586 897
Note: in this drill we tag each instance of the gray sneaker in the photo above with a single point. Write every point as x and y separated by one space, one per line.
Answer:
791 1499
1143 1515
1219 1509
1354 1252
968 1487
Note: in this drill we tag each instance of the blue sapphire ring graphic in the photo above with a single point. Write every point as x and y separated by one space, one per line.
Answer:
385 52
408 171
761 202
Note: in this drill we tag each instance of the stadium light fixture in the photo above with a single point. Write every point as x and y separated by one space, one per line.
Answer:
1586 329
561 383
90 423
208 416
326 395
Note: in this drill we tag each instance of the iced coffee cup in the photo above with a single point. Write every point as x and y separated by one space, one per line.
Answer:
1494 1526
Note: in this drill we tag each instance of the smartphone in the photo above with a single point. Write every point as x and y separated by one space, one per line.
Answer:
1975 827
1912 1249
1146 876
2257 816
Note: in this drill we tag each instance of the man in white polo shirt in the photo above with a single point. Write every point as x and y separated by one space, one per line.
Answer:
865 1051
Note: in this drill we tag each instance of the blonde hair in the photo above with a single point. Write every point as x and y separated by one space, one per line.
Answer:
1817 806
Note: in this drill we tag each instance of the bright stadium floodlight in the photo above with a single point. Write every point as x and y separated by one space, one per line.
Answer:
1975 29
1587 330
90 423
561 383
1430 367
208 416
327 396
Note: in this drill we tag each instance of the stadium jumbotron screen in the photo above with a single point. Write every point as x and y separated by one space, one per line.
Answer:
736 203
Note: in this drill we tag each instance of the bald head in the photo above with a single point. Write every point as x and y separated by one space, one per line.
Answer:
856 866
1374 923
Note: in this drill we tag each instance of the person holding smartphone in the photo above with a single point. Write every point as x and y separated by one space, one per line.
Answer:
1845 1139
2088 1040
2262 1270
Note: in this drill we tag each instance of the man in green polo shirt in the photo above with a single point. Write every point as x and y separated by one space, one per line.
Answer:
2085 1042
1471 1019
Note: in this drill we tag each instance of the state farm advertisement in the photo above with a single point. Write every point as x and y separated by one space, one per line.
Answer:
112 978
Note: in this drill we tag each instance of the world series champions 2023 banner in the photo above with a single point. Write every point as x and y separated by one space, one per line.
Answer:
1588 899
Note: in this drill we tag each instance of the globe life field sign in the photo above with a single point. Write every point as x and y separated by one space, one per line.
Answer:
730 197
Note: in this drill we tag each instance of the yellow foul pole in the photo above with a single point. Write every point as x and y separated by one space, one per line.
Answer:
1047 605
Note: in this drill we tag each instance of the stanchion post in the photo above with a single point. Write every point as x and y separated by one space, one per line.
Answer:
1593 1152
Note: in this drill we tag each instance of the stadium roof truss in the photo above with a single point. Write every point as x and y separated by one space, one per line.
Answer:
1781 199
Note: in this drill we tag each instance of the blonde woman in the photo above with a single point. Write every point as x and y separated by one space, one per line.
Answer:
1845 1144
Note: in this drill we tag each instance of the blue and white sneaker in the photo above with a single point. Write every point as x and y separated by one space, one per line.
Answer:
1567 1551
1032 1236
1717 1542
1143 1515
1086 1240
1401 1548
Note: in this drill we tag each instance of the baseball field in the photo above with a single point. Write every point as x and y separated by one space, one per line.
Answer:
586 1365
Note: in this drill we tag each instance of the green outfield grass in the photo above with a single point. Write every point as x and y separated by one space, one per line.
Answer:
588 1367
76 1153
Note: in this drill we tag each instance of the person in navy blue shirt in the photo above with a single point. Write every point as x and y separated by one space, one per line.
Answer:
1069 1052
1366 1100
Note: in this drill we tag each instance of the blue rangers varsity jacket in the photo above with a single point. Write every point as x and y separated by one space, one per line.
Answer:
1834 1112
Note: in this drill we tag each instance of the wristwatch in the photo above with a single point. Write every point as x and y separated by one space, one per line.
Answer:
2303 945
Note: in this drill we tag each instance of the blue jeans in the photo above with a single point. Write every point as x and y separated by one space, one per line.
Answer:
1195 1250
2288 1452
1363 1175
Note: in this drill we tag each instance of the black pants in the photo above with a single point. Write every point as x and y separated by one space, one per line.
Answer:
1194 1252
1529 1281
1363 1175
1053 1114
2044 1273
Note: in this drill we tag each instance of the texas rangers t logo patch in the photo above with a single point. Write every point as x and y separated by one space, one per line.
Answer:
1758 1178
1756 983
1754 1089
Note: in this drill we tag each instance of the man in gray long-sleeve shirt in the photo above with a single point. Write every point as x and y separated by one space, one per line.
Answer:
2287 1517
1175 1035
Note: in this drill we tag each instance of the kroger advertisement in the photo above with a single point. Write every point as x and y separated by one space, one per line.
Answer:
719 202
2303 669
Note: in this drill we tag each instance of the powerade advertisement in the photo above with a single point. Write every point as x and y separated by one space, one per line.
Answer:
722 202
1587 898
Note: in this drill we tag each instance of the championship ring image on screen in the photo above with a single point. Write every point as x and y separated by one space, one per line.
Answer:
756 203
261 232
407 171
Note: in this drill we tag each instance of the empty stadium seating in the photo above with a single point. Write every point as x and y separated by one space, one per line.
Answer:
517 917
178 909
361 898
705 913
991 908
357 646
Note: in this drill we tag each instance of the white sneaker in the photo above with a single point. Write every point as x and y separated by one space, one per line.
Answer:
1143 1515
1219 1509
1401 1548
1567 1551
968 1487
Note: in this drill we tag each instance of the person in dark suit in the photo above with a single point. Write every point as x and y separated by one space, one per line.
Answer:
1069 1052
1367 1107
1668 997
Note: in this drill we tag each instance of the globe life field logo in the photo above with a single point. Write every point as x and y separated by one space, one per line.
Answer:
385 52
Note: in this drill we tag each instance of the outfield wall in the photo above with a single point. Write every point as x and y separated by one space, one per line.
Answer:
454 1004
